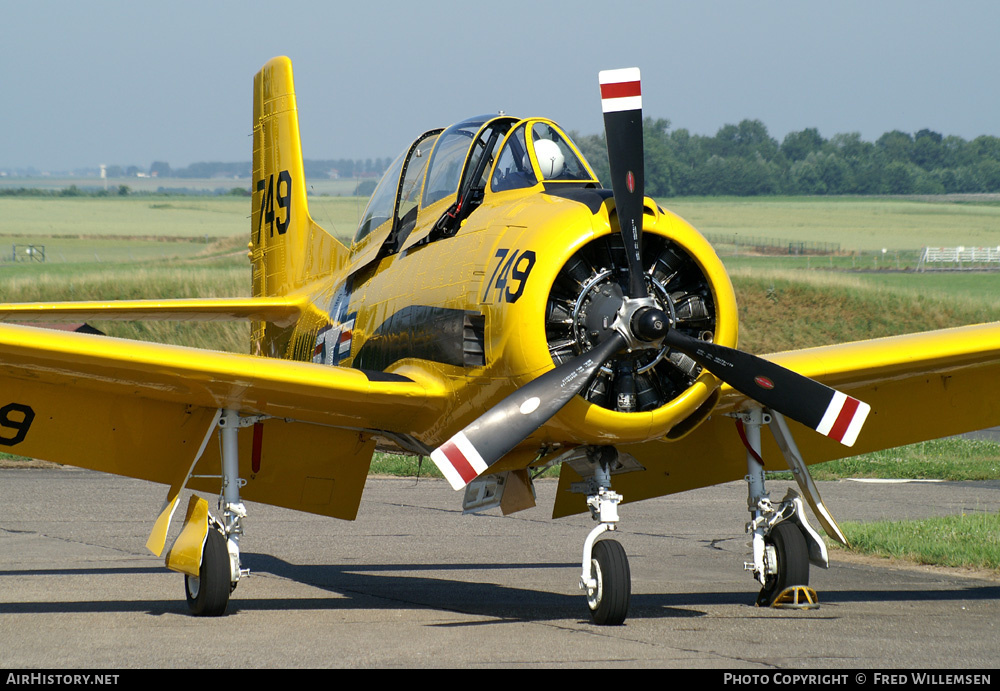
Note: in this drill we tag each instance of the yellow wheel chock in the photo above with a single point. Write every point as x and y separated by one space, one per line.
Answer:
797 597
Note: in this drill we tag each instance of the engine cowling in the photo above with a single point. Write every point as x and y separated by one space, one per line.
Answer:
649 392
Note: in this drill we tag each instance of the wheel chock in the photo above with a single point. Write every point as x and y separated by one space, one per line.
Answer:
797 597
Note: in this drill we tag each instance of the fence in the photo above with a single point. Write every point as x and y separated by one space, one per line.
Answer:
959 259
765 245
27 253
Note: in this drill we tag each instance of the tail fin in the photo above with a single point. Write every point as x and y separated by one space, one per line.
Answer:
288 250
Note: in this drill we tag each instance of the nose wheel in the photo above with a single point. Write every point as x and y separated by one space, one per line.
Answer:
609 597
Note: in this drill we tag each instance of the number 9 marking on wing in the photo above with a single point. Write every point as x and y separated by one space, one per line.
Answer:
21 422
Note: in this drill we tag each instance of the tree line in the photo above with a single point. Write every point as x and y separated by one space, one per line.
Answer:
342 167
744 160
739 160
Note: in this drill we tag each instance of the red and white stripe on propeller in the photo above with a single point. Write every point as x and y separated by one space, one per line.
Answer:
493 434
459 461
815 405
620 90
844 418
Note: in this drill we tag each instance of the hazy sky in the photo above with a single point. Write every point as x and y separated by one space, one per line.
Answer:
94 82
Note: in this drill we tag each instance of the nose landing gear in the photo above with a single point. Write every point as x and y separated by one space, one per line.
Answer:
606 577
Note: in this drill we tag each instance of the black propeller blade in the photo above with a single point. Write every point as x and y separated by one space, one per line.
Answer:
621 101
639 323
828 411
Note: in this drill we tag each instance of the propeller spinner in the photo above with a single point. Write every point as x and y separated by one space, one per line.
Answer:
640 323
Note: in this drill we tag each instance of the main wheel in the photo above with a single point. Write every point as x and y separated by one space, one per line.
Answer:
208 595
609 601
792 556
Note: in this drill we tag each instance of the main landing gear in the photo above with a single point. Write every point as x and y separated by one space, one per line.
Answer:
786 563
220 571
207 551
782 541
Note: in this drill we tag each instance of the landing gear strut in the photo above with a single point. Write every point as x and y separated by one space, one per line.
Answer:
220 571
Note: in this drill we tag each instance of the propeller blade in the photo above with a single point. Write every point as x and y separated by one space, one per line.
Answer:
482 443
621 101
815 405
472 451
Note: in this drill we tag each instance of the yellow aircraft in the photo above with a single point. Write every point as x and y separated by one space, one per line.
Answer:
500 312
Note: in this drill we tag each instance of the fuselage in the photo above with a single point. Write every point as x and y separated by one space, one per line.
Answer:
477 262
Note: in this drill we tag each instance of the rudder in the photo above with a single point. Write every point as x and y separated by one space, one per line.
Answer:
288 250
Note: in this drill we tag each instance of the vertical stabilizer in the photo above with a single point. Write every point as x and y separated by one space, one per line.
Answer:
288 250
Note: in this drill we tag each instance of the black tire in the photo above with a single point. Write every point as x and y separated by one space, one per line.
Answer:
208 595
609 603
793 561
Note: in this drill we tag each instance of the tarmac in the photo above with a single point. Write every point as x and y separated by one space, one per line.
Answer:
415 583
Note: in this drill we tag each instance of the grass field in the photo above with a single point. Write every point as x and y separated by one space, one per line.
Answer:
856 223
143 227
788 309
969 540
126 217
953 459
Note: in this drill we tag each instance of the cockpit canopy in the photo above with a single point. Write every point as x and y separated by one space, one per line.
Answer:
456 168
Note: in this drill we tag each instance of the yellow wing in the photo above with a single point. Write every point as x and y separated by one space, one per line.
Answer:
920 387
143 410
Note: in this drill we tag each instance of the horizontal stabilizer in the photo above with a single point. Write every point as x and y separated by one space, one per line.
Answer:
282 311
